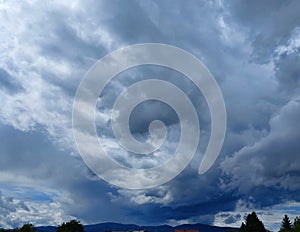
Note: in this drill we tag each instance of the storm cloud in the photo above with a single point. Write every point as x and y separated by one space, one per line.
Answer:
252 50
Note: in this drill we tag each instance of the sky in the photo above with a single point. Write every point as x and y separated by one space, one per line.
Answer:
252 48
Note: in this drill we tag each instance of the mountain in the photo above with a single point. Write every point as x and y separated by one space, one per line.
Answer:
110 226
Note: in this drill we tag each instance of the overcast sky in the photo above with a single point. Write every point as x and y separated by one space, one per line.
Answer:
252 48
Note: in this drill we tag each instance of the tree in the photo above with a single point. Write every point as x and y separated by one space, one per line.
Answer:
71 226
253 224
296 225
27 228
286 224
243 227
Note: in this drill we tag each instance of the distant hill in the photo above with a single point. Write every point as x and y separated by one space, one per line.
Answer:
102 227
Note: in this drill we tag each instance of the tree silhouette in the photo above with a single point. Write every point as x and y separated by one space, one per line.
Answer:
253 224
286 224
27 228
296 226
71 226
243 227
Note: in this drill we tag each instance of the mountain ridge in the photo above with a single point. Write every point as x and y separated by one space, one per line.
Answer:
113 226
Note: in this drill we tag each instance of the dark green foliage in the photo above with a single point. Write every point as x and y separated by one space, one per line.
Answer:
71 226
253 224
286 224
296 225
243 227
27 228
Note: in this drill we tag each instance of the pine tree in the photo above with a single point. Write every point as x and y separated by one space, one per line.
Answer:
243 227
253 224
286 224
296 226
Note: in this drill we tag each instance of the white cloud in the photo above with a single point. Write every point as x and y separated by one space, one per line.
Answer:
14 213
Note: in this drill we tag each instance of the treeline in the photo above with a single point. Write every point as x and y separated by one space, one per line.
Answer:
287 226
24 228
71 226
253 224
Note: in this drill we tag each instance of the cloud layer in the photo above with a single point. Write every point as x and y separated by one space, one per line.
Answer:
251 48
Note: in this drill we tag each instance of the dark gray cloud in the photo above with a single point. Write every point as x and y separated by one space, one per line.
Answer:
288 71
271 164
252 49
270 23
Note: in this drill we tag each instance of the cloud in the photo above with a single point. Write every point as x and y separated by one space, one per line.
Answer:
8 83
8 205
272 162
232 219
270 216
250 47
270 24
288 72
13 212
